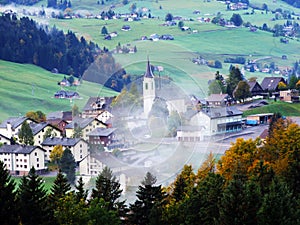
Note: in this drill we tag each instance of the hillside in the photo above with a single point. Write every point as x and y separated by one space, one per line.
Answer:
26 87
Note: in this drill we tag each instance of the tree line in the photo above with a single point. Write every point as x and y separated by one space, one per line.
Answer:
254 182
24 41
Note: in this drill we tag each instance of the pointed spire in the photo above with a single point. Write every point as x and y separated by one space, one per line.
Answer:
148 72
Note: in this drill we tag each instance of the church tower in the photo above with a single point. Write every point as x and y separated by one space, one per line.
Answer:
148 89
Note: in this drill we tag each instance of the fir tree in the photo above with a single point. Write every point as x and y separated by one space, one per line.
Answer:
33 200
80 193
149 200
8 202
67 165
108 189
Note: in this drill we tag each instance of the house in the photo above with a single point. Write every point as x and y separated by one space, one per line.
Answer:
217 99
270 84
64 115
66 94
4 140
58 123
255 88
126 28
11 127
77 146
216 120
289 95
85 124
102 136
190 133
96 106
19 159
40 129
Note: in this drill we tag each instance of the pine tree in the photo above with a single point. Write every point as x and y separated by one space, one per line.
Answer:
26 135
59 188
108 189
149 200
8 201
33 200
80 193
67 165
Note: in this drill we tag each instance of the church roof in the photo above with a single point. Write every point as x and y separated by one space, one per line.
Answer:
149 73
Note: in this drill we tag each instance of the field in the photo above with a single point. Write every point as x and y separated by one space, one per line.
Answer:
286 109
212 42
26 88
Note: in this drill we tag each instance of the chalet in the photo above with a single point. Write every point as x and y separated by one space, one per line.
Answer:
11 127
85 124
77 146
255 88
96 106
102 136
289 95
216 120
66 94
19 159
218 100
40 129
270 84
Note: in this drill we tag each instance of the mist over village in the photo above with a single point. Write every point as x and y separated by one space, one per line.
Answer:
141 112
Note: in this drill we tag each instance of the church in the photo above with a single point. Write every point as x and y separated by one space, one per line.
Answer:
174 97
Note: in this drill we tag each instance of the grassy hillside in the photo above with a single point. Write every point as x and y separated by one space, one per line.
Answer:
26 87
286 109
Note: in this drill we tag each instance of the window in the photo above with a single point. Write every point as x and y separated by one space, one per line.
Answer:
146 86
25 160
35 154
38 165
25 166
37 159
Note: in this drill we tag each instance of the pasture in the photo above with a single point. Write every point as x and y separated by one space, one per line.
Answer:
26 88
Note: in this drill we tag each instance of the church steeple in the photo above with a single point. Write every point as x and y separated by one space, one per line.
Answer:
149 73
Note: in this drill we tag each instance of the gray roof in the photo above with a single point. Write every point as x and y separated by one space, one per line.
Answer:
216 97
104 132
222 112
67 115
102 102
37 127
14 121
18 149
271 83
53 141
81 122
190 113
190 128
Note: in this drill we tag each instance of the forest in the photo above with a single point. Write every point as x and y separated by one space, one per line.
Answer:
254 182
24 41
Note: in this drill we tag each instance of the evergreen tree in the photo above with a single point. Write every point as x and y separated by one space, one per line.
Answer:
235 76
80 193
67 165
33 200
108 189
149 200
25 134
278 206
104 30
8 201
59 188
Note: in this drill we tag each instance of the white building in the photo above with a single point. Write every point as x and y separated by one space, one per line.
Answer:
19 159
148 89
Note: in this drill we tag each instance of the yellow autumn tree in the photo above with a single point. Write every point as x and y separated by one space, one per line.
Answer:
56 153
208 166
238 158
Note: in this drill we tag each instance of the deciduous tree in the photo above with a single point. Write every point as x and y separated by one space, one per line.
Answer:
25 134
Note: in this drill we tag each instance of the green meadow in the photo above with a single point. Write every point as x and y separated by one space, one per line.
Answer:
26 88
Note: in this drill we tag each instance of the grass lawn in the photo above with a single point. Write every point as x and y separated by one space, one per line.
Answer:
48 182
286 109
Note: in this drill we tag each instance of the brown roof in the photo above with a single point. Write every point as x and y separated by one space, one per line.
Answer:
216 97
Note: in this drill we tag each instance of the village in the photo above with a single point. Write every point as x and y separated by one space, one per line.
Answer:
125 141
